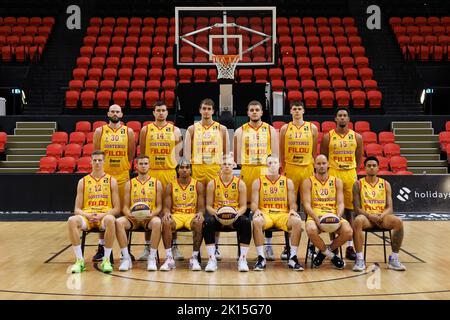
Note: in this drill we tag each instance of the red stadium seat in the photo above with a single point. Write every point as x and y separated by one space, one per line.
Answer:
447 126
369 137
277 85
310 98
278 124
60 137
54 150
374 149
120 97
77 138
385 137
97 124
358 99
294 96
374 98
335 74
48 165
391 150
326 98
90 137
444 140
150 98
104 98
88 148
72 98
136 98
383 163
66 165
323 85
370 85
362 126
354 85
398 163
72 150
404 173
342 98
328 125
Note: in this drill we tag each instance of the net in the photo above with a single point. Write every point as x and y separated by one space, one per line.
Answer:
226 64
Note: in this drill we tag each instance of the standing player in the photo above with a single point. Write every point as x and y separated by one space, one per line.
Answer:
96 205
161 142
148 190
372 199
206 143
322 194
227 190
344 148
253 143
274 205
184 207
117 142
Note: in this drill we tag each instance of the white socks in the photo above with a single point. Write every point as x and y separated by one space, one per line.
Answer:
77 250
350 243
168 253
153 253
359 256
211 250
101 242
268 241
260 251
293 251
195 254
125 253
394 255
244 252
107 253
328 253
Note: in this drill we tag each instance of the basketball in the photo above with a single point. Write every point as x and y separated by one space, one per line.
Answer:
226 215
140 211
329 222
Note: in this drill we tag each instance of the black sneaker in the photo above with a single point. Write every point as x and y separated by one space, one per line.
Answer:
294 264
100 253
260 264
284 254
311 251
317 261
338 262
350 254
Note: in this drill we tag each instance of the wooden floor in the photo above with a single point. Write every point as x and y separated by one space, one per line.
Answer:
35 257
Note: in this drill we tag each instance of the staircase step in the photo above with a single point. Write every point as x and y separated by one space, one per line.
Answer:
418 144
30 138
50 125
33 131
425 163
411 124
19 164
26 151
416 131
418 138
41 145
19 170
418 150
422 157
429 170
26 157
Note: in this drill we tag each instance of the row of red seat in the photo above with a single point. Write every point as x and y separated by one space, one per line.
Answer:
419 21
3 140
21 53
27 21
65 165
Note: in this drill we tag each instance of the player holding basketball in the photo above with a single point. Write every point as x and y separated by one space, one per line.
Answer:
148 190
344 148
184 207
253 143
161 141
118 144
206 143
274 205
372 199
322 194
96 205
227 190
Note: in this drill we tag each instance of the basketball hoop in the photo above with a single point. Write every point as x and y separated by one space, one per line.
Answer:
226 64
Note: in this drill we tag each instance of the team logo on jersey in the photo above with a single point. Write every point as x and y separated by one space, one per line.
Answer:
334 138
122 131
233 186
330 183
151 184
306 128
191 188
380 186
167 129
106 180
265 184
350 136
282 183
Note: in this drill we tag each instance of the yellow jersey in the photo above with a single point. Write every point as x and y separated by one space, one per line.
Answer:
144 191
226 195
114 143
342 150
184 198
97 194
160 146
324 195
273 196
373 197
298 144
207 145
256 146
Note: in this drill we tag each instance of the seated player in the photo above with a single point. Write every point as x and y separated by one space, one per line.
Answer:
323 194
184 207
372 199
96 205
148 190
274 205
226 190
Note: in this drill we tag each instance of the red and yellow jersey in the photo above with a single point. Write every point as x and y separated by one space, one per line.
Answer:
184 198
256 146
373 197
97 194
324 195
207 144
114 143
273 196
160 146
144 191
342 150
226 195
298 144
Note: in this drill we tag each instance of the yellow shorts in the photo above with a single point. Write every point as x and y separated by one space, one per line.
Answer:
250 174
348 178
319 214
122 179
298 174
183 220
88 225
135 225
204 173
165 176
276 220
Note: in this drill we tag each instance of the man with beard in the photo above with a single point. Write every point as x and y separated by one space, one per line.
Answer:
344 149
117 142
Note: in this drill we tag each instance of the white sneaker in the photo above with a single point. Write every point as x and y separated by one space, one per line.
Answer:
360 265
242 265
217 254
177 255
168 265
151 264
395 264
144 255
126 265
211 266
268 252
194 265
